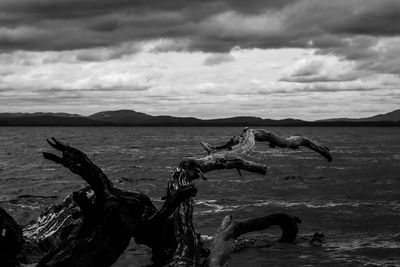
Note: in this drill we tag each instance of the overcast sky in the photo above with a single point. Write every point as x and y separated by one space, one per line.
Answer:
307 59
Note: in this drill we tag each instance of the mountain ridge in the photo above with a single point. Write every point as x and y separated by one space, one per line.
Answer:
390 116
125 117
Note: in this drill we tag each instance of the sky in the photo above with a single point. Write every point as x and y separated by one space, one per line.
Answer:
305 59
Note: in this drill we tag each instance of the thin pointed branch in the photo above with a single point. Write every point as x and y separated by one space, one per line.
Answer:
80 164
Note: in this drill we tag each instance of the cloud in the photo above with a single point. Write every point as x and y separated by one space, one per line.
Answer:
336 87
104 54
362 32
67 71
20 37
211 26
217 59
320 69
385 58
370 17
168 45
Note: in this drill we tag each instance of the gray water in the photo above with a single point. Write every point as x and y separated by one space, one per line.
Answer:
354 201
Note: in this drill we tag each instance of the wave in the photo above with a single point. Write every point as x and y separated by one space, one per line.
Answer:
217 208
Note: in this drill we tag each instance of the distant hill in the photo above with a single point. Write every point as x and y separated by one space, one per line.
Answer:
4 123
52 114
121 116
131 117
48 120
174 121
134 118
251 121
236 121
391 116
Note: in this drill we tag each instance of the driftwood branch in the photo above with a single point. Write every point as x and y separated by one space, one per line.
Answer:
228 156
77 162
232 154
293 142
188 248
274 140
224 241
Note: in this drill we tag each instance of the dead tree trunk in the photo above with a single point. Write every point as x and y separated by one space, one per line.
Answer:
93 226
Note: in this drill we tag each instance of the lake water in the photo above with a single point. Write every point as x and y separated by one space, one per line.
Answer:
354 200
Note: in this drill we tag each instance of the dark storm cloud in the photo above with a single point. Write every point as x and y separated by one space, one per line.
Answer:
372 18
71 9
72 24
213 26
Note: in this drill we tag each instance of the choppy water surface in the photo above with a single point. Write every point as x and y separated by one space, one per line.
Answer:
354 201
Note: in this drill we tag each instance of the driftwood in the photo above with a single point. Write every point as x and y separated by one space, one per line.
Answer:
224 241
230 156
92 227
274 140
111 219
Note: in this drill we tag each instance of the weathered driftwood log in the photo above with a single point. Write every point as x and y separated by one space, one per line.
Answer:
102 235
228 156
274 140
188 248
93 226
108 219
224 241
